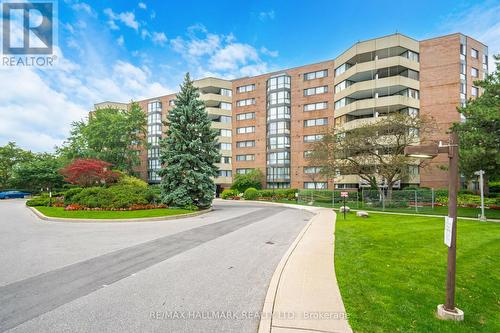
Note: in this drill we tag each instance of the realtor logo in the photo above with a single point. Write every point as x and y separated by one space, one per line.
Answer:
28 28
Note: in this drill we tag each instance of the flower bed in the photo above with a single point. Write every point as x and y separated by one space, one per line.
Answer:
73 207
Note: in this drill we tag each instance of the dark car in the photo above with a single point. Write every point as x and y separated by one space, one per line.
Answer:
13 194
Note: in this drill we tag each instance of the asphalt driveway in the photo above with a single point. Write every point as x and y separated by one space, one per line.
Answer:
201 274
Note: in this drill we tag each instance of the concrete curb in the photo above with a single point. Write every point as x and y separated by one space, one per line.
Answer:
146 219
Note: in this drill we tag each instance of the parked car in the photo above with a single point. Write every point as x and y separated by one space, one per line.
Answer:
13 194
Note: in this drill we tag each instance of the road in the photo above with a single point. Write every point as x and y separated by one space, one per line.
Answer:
208 273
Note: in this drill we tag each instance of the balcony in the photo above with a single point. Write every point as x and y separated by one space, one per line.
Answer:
372 86
218 111
377 64
213 100
389 103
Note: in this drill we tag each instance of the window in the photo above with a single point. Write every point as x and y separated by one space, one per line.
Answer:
225 159
278 185
410 93
474 72
154 129
307 153
247 157
279 82
346 186
316 122
224 119
280 127
247 88
171 102
278 173
279 97
154 164
312 170
315 106
474 53
462 49
154 153
153 176
277 142
242 171
224 146
463 88
245 144
278 112
225 106
225 132
313 138
411 55
341 69
154 107
340 103
245 102
226 92
315 91
225 173
316 75
282 157
245 116
154 140
475 91
342 85
244 130
154 118
315 185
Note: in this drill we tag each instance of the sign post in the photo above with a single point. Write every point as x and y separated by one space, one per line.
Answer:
480 173
344 195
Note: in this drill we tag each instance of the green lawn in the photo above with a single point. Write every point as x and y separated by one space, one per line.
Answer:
90 214
391 270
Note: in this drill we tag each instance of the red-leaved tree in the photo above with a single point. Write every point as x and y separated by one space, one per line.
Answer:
89 172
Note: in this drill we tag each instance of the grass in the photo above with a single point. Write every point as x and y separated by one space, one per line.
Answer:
91 214
391 271
427 210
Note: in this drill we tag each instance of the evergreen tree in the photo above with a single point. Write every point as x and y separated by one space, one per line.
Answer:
189 152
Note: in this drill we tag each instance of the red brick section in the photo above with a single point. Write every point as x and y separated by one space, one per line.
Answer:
296 122
440 94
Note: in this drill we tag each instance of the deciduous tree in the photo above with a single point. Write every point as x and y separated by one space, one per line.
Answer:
89 172
480 132
111 135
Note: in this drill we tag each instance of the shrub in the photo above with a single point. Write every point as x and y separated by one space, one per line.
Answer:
132 181
251 193
69 194
229 194
253 179
153 194
38 201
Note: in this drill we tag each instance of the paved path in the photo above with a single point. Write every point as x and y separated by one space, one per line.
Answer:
202 274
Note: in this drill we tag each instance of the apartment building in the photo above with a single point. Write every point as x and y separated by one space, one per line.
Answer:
279 115
217 95
270 121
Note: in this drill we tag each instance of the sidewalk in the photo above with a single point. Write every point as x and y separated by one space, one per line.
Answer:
303 295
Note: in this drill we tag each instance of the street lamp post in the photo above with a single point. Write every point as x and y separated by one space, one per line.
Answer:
448 310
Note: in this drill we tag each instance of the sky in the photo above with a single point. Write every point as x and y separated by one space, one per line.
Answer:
130 50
